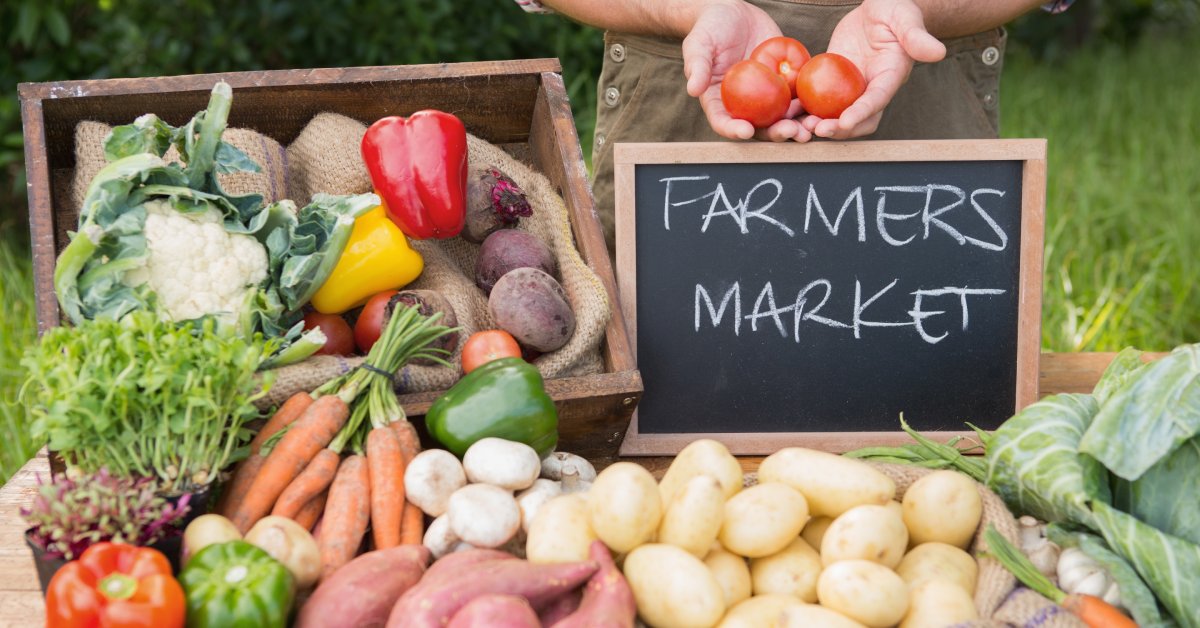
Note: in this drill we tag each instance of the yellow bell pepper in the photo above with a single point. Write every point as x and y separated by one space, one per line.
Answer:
376 258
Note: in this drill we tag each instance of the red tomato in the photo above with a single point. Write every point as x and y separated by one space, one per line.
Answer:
753 92
784 55
828 84
339 339
370 322
484 346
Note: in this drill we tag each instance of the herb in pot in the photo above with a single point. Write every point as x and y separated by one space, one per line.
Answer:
144 397
69 515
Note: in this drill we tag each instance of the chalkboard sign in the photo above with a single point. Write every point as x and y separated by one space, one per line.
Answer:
810 294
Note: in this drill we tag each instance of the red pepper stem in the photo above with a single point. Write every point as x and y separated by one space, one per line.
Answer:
118 586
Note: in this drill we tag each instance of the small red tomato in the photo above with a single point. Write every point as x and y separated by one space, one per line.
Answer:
753 92
339 339
828 84
369 325
484 346
784 55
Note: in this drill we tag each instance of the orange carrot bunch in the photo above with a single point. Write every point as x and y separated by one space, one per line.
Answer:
296 468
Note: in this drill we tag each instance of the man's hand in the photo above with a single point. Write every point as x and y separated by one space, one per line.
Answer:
725 33
883 38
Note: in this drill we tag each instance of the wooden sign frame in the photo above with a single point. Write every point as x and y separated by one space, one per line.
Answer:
1032 152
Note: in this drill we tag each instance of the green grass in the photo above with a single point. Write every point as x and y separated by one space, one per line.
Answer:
17 331
1123 193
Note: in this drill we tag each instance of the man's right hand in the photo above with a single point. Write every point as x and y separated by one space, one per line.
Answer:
725 32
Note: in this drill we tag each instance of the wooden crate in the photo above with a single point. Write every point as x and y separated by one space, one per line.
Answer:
519 105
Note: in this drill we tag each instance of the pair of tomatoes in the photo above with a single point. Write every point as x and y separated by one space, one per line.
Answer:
759 89
482 347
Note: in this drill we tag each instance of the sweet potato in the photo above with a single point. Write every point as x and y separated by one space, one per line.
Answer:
496 611
494 201
508 250
429 302
533 307
607 599
561 608
452 565
434 601
363 592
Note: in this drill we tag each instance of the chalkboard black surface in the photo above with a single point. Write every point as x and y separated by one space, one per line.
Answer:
827 293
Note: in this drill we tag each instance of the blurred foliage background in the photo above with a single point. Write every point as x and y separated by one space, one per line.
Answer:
1110 83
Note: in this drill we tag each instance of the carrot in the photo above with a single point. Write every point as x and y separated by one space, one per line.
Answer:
1095 612
283 417
308 515
412 522
347 514
313 480
1091 610
410 443
386 464
412 527
307 436
246 470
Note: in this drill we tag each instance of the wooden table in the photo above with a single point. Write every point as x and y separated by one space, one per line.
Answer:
20 596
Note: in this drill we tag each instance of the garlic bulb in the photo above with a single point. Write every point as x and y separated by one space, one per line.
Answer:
1041 552
1079 574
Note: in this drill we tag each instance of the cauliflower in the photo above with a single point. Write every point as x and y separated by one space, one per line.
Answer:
195 266
166 237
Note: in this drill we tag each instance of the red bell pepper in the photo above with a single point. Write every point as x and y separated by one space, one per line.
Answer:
115 585
418 166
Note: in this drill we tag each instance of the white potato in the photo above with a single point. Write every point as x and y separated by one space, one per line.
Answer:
702 457
793 571
938 603
866 592
693 517
943 506
763 519
439 538
624 507
504 463
431 478
672 587
815 529
731 573
813 616
939 560
534 497
291 544
760 611
874 533
483 515
560 533
896 507
831 484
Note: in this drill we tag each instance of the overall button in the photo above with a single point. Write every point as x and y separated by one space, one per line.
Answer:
617 52
612 96
991 55
600 140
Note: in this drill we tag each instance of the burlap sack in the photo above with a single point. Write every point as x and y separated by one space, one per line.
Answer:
270 182
450 264
999 602
326 157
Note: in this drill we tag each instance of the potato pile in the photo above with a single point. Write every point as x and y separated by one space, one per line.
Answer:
820 540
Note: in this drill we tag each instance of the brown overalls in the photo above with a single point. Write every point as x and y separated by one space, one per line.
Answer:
642 93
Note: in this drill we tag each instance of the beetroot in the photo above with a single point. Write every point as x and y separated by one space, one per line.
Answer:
509 250
494 201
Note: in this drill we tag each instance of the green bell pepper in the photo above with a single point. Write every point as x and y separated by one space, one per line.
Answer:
236 584
504 398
